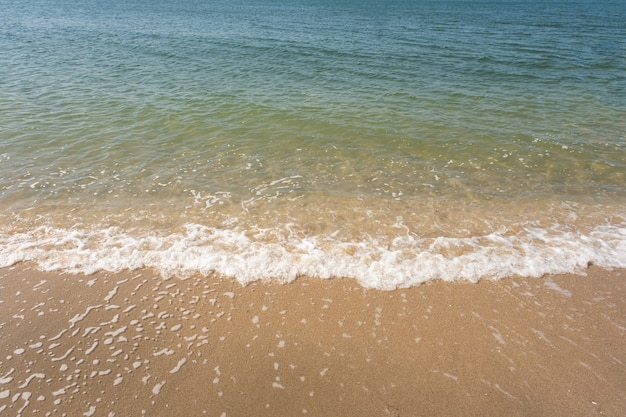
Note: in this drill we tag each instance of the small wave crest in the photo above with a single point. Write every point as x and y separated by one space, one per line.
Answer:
380 263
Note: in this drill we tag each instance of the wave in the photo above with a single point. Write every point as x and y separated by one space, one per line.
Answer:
381 263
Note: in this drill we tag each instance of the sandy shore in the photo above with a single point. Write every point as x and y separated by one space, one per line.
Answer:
134 344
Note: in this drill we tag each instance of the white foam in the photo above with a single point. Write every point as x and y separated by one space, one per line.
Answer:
80 317
554 286
157 388
164 351
111 294
26 397
542 336
454 377
497 335
60 358
58 336
117 332
384 263
30 378
90 330
178 366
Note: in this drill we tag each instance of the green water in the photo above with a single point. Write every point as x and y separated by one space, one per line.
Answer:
394 143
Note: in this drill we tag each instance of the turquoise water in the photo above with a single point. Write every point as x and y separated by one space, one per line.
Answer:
391 142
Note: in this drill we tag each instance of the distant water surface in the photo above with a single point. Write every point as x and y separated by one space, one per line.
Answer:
393 142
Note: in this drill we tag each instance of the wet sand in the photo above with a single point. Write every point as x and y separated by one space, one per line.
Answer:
134 344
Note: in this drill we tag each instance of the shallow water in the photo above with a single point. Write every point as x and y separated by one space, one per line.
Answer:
394 143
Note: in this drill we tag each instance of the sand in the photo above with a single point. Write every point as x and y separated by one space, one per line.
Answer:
134 344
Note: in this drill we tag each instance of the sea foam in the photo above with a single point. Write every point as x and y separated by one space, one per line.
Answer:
376 263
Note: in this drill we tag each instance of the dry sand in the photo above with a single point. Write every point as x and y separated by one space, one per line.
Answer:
135 344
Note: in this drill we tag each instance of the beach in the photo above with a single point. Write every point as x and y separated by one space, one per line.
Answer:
282 208
134 343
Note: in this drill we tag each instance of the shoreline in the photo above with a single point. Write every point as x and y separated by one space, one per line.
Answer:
134 343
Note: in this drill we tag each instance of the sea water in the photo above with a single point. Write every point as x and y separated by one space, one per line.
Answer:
395 142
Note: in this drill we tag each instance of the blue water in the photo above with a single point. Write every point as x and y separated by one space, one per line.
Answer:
392 142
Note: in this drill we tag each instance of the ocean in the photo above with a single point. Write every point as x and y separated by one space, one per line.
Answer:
393 142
